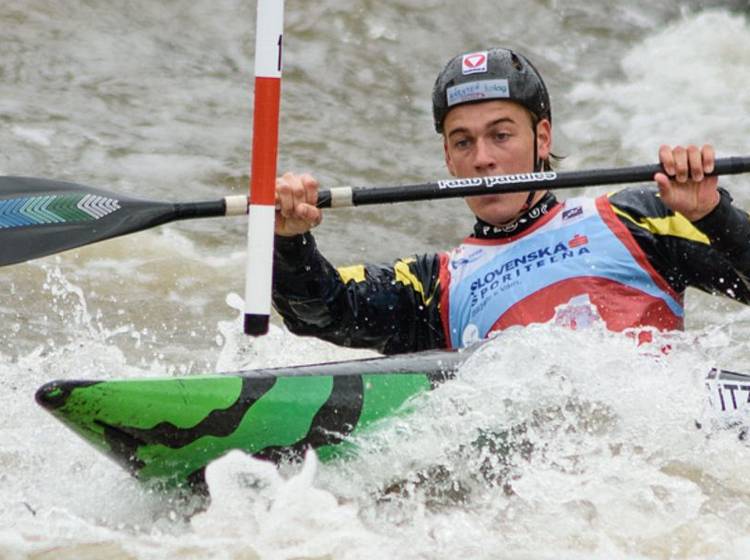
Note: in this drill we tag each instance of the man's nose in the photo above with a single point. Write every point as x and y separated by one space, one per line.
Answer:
483 158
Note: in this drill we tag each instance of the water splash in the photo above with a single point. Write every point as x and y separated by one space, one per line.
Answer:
256 508
240 352
700 60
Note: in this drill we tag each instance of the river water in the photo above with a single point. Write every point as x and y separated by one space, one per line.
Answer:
153 99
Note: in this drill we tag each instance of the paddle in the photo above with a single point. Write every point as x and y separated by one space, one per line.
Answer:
546 180
39 217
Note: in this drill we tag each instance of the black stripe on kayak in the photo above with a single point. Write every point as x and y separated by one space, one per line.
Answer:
218 423
333 422
331 425
123 448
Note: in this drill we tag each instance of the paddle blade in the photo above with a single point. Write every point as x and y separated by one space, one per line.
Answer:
39 217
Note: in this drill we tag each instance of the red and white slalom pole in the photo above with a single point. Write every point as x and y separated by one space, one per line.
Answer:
268 50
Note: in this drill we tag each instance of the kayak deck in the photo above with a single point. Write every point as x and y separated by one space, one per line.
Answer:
171 428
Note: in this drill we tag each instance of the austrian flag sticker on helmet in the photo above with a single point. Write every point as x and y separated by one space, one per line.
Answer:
473 63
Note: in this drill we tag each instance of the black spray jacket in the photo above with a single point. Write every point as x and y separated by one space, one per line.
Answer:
395 308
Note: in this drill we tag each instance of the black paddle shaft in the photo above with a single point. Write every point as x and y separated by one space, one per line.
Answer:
39 217
522 182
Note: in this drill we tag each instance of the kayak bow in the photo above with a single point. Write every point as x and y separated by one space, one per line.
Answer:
169 429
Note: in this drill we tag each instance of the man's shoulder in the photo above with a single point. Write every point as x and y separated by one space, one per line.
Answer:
640 202
644 213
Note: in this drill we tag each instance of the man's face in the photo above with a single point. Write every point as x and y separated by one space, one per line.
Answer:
493 138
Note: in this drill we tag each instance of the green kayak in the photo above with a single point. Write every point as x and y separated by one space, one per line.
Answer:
171 428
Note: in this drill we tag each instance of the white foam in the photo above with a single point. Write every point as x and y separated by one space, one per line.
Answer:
619 470
39 136
685 84
278 517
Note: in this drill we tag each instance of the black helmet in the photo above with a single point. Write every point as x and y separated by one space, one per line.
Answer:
493 74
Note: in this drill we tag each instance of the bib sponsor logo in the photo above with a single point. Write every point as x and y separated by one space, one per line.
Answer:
460 260
578 313
474 63
577 241
512 271
571 213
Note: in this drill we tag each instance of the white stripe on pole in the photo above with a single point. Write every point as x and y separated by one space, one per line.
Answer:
268 38
268 56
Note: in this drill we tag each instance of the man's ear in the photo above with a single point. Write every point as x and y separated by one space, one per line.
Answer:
544 139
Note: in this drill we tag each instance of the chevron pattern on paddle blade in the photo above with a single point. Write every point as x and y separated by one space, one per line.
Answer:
55 209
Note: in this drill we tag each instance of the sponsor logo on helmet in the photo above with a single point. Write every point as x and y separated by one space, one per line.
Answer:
473 91
474 63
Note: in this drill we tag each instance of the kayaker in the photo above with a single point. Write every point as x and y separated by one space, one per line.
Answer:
624 259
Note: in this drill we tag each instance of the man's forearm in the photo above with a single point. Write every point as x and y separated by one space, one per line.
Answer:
728 229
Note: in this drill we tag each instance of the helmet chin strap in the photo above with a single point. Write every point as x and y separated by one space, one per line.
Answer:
527 204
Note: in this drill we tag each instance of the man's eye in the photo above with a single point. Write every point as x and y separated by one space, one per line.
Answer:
463 143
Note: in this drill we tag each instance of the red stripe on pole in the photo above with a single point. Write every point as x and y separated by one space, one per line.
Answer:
265 141
269 40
